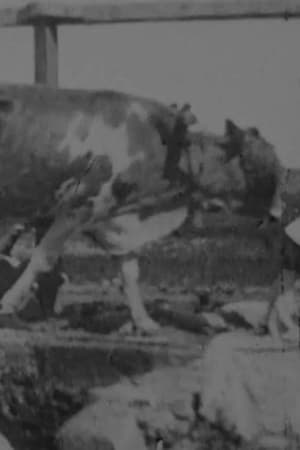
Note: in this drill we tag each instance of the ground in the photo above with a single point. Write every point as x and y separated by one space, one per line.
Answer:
179 277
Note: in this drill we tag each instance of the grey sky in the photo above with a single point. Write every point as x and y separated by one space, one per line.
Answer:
248 71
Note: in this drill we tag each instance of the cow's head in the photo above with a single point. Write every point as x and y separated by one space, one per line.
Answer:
240 167
263 171
216 178
237 141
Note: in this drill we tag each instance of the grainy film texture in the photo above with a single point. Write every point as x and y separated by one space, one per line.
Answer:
150 225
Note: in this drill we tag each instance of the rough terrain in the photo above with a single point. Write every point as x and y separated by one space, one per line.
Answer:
47 373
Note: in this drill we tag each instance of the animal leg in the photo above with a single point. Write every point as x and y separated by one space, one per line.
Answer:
273 327
140 317
285 315
43 258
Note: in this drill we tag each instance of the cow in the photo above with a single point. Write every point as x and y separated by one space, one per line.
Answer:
266 190
264 174
109 165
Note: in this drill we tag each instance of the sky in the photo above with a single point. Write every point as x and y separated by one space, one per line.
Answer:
248 71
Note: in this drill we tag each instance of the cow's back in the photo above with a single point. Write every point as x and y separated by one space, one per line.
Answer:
42 131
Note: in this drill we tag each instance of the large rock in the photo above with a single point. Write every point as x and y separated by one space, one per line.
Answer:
101 426
159 400
4 444
251 386
252 312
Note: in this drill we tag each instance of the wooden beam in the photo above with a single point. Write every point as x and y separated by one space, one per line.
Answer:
148 11
9 16
154 11
46 54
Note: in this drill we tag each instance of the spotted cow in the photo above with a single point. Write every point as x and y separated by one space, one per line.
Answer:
106 164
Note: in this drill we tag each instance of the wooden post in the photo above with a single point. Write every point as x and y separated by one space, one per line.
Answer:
46 54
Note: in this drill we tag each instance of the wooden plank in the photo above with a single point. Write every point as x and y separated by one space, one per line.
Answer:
46 54
154 11
149 11
9 16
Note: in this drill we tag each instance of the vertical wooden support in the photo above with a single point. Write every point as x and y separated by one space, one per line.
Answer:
46 54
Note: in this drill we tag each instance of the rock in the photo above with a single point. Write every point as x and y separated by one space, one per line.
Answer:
251 386
275 443
251 311
101 426
160 401
124 393
160 422
4 444
293 231
227 287
224 397
215 321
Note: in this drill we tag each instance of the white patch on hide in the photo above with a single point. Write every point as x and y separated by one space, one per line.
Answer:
139 110
134 232
102 140
71 140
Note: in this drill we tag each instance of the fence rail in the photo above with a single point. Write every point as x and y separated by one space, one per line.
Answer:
46 16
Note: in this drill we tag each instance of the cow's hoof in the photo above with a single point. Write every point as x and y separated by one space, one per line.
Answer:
291 336
146 326
10 320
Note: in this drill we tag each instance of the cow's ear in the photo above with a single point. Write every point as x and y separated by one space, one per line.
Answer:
254 132
186 107
231 129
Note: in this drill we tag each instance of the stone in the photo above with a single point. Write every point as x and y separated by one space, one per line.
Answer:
124 393
251 386
251 311
158 422
160 401
101 426
4 444
215 321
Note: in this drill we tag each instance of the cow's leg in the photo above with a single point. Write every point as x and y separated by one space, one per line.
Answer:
43 258
140 317
273 327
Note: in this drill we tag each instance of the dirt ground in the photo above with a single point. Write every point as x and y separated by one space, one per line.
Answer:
178 277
